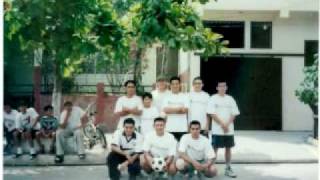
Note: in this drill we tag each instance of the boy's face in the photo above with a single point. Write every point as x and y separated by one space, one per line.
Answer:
49 112
197 85
147 102
162 85
68 108
159 127
131 89
222 87
195 130
175 86
7 108
128 129
23 109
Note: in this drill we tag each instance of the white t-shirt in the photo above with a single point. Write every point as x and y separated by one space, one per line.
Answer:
10 119
160 146
224 107
158 97
26 120
197 149
147 117
75 117
133 102
176 122
129 144
198 106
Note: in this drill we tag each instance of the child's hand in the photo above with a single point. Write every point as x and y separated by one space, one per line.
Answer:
225 128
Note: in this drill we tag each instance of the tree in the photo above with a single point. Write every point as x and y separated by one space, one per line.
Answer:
68 31
172 24
308 92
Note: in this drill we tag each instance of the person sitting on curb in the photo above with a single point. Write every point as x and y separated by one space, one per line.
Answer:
49 125
72 119
28 128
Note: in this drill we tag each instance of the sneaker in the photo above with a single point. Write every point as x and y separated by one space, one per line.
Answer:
82 156
59 159
19 152
230 173
33 156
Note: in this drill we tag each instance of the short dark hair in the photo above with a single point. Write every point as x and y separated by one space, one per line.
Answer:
128 121
197 78
194 122
159 119
161 78
221 81
67 103
146 95
130 82
175 78
23 104
47 108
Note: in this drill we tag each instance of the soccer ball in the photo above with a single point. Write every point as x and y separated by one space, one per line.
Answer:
158 164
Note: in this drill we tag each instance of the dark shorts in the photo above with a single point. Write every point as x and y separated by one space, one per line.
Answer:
32 131
178 135
221 141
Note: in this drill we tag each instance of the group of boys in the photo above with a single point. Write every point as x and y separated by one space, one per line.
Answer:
27 124
175 126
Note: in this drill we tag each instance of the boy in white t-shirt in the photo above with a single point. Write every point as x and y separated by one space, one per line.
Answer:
196 153
223 110
198 105
149 113
126 147
27 127
160 92
129 106
176 106
159 143
9 123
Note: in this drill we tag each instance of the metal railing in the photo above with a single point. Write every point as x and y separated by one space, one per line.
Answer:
28 89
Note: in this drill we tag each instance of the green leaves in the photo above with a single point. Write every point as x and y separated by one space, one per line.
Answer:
308 91
68 30
175 24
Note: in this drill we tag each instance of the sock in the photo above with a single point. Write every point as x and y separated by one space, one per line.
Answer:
228 165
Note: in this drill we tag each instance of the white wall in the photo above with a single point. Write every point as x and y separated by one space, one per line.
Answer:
263 5
289 35
295 115
150 72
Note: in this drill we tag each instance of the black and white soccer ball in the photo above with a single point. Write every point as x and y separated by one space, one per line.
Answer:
158 164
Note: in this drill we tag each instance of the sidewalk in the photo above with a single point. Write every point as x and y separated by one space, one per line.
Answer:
251 147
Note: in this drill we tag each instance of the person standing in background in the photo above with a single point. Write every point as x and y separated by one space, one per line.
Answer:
198 105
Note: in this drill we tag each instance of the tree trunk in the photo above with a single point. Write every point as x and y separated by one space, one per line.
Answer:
136 72
57 94
315 119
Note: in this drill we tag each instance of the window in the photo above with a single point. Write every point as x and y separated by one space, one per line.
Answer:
310 49
261 35
233 31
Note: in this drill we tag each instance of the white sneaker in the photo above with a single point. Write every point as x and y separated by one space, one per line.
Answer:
230 173
32 151
19 150
18 153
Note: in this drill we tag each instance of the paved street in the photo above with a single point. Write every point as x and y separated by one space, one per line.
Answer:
244 171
